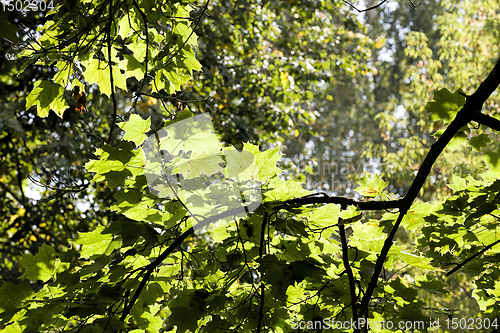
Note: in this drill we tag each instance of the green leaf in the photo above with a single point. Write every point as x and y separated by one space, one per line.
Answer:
139 50
306 269
200 164
131 230
132 67
237 162
12 296
63 73
96 243
415 215
47 96
459 183
418 262
112 162
284 190
277 273
367 236
171 78
116 178
458 140
44 265
135 129
350 215
445 105
191 134
371 187
493 160
291 227
190 61
147 298
325 216
187 301
127 25
479 141
183 29
264 165
102 167
98 72
431 284
136 212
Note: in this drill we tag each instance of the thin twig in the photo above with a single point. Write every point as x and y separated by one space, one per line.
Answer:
350 276
366 9
146 58
262 287
488 121
344 202
111 77
415 6
473 257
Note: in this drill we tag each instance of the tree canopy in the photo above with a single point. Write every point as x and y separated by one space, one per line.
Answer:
249 166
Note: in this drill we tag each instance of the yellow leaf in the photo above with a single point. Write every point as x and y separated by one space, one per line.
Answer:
33 238
284 79
380 43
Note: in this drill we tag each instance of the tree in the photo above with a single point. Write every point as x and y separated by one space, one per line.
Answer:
298 259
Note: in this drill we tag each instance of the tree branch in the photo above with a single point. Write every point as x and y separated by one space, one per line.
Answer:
261 306
350 276
152 266
474 256
472 106
366 9
8 190
262 286
413 4
111 77
150 269
488 121
318 198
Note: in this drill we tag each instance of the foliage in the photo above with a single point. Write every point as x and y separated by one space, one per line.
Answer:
263 63
299 256
46 154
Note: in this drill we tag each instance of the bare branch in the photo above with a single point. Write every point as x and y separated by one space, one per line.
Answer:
366 9
413 4
470 258
319 198
110 64
488 121
350 276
